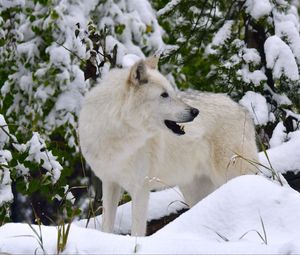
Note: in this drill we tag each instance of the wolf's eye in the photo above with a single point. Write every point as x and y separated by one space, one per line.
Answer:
165 94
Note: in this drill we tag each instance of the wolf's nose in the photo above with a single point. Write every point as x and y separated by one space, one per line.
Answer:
194 112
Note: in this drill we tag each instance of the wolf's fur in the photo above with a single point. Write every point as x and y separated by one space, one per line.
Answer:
125 141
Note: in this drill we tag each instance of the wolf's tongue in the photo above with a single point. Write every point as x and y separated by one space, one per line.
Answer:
174 127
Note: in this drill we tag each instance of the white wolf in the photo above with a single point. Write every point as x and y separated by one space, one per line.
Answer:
130 136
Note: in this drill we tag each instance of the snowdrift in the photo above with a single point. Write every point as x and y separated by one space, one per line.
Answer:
249 214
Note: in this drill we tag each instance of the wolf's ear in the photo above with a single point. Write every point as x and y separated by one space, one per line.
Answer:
138 73
152 62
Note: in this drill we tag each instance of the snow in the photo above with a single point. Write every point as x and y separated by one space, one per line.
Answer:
287 28
292 114
43 93
58 55
10 4
251 55
141 28
22 170
144 7
280 99
220 37
280 58
69 101
3 132
26 83
255 77
5 156
225 222
168 7
129 60
223 34
279 136
29 49
286 156
38 153
258 8
257 106
5 185
282 2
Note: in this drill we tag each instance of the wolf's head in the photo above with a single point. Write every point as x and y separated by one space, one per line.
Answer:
153 100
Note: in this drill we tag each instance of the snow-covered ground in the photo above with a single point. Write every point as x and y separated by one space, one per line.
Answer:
249 214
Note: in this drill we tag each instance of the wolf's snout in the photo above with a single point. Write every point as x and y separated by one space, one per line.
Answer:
194 112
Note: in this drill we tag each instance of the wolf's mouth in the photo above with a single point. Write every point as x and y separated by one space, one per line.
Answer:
177 129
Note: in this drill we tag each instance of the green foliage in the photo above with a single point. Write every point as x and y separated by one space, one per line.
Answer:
195 23
119 28
32 79
32 168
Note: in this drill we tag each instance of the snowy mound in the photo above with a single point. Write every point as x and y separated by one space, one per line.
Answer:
249 214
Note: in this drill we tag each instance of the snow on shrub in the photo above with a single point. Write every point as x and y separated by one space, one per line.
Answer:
39 154
223 34
256 104
280 59
31 166
6 195
258 8
266 61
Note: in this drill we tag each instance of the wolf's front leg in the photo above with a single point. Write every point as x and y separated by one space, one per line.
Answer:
111 196
140 200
